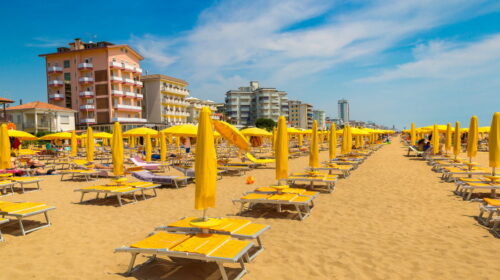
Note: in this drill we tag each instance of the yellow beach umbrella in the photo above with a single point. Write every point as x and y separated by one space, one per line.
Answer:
140 131
186 130
131 141
345 134
457 143
349 139
447 143
472 138
413 135
21 135
281 150
494 142
4 148
255 131
435 140
332 142
205 163
300 139
148 148
232 134
117 150
90 144
274 137
163 147
74 149
56 136
314 147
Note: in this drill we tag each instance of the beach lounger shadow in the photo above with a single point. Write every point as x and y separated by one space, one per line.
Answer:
12 227
111 200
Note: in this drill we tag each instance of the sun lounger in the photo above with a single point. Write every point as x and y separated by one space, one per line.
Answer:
5 185
259 161
449 172
202 247
119 190
466 190
490 206
22 210
189 172
414 150
273 190
146 165
161 179
2 221
312 178
237 228
330 167
302 204
79 173
22 181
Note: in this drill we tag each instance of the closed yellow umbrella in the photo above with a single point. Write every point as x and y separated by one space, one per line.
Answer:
132 141
457 143
301 139
345 134
358 141
435 140
90 144
447 143
472 138
494 142
314 147
205 163
74 151
163 147
281 150
413 135
148 147
332 142
274 137
349 139
232 134
4 148
117 150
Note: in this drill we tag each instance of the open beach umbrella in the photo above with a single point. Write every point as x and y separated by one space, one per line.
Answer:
447 143
494 142
232 134
163 147
472 138
90 144
205 164
74 151
413 135
435 140
140 131
186 130
314 147
457 143
56 136
281 150
332 142
255 131
21 135
147 147
117 150
4 148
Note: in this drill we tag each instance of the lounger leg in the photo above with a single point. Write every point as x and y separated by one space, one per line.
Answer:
143 195
38 185
154 191
21 226
119 197
297 208
222 271
132 261
1 237
81 198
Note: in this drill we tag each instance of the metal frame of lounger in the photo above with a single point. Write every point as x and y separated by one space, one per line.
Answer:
495 226
240 258
329 184
2 221
87 174
491 210
466 190
344 172
106 193
448 175
5 186
22 182
20 218
308 205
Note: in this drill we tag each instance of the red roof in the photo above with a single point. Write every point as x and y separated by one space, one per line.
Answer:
5 100
39 105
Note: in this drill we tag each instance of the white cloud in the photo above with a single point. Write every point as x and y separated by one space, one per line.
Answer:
43 42
155 49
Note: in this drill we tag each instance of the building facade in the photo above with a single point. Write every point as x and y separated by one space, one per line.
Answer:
38 116
343 105
165 99
247 104
195 106
320 117
100 81
300 114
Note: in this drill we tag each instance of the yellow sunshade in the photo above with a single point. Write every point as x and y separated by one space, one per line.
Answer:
435 140
314 149
281 150
103 135
345 134
484 129
163 147
21 135
413 135
472 138
232 134
56 136
447 143
140 131
4 148
255 131
74 151
332 142
292 130
90 144
494 141
185 130
457 140
148 147
117 150
205 163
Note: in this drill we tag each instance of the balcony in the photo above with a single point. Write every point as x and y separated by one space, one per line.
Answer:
88 121
86 80
116 65
87 94
116 79
120 119
123 107
138 83
129 94
177 91
87 107
56 83
85 66
56 96
138 70
139 95
54 69
129 81
128 68
116 92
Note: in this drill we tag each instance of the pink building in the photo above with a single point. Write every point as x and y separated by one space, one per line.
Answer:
101 81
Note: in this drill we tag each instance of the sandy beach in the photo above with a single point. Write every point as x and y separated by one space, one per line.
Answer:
391 219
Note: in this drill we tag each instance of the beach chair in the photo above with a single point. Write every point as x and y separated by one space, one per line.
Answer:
5 185
345 170
88 175
119 191
201 247
301 203
162 179
23 210
189 172
450 172
328 181
260 162
146 165
414 150
490 206
466 190
237 228
2 221
22 181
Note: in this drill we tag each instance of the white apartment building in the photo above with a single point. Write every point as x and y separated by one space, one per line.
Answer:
320 117
300 114
195 106
247 104
38 116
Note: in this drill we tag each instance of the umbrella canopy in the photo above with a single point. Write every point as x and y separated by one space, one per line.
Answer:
413 135
484 129
435 140
293 130
21 135
232 134
148 147
457 143
494 141
332 142
187 130
281 150
205 163
56 136
447 143
163 146
103 135
345 134
255 131
4 148
314 149
472 138
90 144
117 150
140 131
74 148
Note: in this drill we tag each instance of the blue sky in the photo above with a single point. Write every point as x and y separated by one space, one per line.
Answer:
397 61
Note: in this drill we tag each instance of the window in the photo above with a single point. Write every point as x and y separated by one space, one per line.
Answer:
64 119
67 76
66 64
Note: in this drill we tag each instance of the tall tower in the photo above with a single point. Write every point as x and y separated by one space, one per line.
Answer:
344 110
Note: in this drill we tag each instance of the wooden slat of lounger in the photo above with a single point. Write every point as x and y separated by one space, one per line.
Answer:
161 240
231 249
31 210
202 243
250 229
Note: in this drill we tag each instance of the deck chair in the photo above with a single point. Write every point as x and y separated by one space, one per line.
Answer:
345 170
5 185
146 165
234 169
449 172
87 174
162 179
203 247
490 206
22 181
119 191
273 190
302 204
261 162
466 190
313 178
237 228
22 210
2 221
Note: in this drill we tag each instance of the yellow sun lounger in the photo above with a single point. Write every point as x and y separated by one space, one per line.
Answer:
5 185
299 191
302 204
237 228
330 167
2 221
312 178
201 247
22 210
26 181
449 172
259 161
87 174
490 206
119 190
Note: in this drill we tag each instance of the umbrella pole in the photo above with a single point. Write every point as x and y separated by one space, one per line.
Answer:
205 215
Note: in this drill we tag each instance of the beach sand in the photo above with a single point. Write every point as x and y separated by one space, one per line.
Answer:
391 219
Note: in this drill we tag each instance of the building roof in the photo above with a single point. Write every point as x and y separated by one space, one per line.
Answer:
164 77
39 105
105 45
5 100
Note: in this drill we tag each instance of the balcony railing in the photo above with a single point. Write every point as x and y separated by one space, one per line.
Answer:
138 70
127 107
116 92
87 107
128 68
56 96
138 83
138 95
120 119
86 80
130 94
129 81
87 94
85 65
56 83
114 64
178 91
54 69
87 120
117 79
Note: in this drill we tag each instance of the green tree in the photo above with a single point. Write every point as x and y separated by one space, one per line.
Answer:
266 124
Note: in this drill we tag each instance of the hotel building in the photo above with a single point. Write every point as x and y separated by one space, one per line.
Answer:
343 111
194 109
301 114
320 117
101 81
